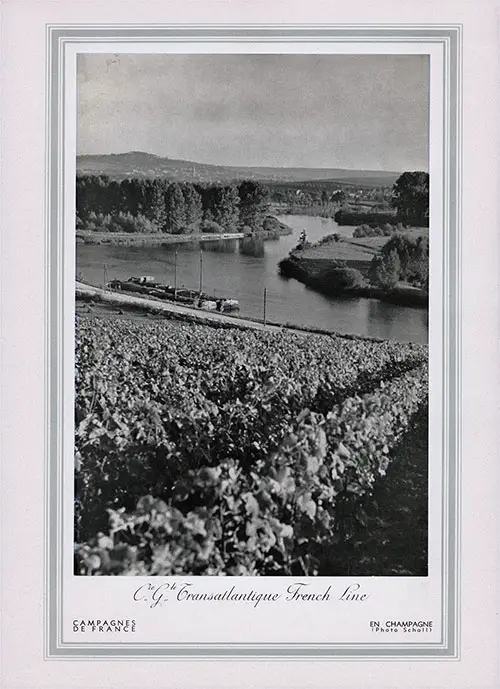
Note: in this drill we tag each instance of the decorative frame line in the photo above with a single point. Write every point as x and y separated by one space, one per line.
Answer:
57 38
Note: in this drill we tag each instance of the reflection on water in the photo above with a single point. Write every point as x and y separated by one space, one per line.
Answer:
386 318
252 246
221 246
241 269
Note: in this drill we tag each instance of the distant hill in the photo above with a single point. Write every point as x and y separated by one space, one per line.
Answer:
138 164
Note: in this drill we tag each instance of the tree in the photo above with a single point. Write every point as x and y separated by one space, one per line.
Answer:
92 194
417 271
175 209
192 201
253 203
302 240
153 201
341 278
131 196
402 245
221 206
410 196
385 269
413 254
338 196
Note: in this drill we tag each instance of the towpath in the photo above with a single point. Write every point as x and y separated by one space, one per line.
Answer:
119 299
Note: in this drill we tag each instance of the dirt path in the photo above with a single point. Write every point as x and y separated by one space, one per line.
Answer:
169 308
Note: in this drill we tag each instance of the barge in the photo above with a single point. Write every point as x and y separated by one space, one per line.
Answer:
148 286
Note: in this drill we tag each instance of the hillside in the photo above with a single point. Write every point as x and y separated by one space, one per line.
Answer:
138 164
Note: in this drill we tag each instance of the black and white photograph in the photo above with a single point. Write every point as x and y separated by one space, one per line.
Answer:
252 315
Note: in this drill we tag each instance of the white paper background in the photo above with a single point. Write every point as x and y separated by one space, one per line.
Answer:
23 177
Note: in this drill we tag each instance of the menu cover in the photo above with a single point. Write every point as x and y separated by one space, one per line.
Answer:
250 324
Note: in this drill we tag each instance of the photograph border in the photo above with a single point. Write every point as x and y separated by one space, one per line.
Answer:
57 38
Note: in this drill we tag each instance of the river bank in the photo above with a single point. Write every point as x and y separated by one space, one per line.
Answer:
137 239
151 307
242 268
312 266
272 229
113 304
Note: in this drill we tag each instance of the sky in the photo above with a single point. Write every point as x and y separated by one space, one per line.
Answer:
331 111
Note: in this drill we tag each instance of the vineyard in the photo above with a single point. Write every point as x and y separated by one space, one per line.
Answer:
203 450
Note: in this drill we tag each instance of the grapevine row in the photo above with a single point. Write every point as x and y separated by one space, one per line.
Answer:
154 401
281 515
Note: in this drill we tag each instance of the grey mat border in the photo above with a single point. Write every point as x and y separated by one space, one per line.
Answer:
57 36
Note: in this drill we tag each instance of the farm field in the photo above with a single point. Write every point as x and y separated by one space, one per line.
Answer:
202 450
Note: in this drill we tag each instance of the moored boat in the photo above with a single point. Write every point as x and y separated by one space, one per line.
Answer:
147 285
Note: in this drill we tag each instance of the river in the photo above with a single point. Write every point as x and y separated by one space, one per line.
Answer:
241 269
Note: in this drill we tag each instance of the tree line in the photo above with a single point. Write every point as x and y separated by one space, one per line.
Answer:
402 258
409 201
306 197
160 205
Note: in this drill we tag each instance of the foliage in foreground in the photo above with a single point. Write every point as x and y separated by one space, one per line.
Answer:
211 451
